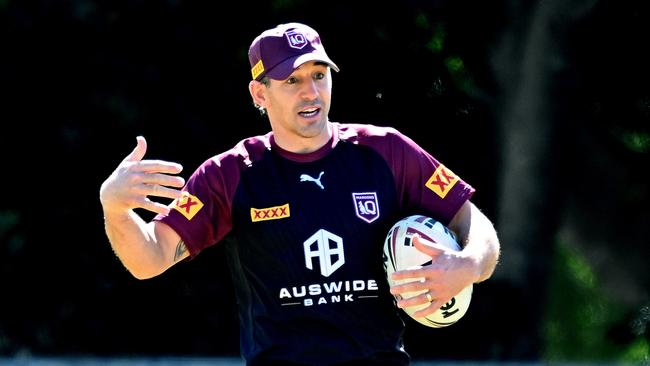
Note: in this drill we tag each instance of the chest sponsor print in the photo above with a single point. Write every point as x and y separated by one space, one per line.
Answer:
270 213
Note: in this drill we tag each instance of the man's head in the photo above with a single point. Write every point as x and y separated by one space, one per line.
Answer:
277 52
292 85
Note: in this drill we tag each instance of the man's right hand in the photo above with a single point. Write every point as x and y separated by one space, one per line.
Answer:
134 180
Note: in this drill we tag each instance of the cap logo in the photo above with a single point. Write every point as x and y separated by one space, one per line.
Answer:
296 39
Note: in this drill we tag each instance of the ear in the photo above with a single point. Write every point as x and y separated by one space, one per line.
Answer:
258 92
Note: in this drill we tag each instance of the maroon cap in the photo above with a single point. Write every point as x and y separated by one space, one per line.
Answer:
277 52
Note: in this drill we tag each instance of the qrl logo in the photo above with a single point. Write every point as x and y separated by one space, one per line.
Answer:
366 206
296 40
328 248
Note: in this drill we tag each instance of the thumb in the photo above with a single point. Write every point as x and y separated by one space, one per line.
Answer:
138 153
426 246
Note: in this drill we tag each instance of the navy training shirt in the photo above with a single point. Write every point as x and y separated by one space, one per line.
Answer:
304 234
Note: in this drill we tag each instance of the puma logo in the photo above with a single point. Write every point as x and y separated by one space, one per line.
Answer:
307 178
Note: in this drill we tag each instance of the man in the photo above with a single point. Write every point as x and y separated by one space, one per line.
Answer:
303 212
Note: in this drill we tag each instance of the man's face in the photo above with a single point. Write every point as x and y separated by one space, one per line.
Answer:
298 107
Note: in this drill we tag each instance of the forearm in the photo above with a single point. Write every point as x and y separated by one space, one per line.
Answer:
479 240
482 245
134 242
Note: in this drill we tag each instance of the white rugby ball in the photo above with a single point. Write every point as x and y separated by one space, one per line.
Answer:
400 254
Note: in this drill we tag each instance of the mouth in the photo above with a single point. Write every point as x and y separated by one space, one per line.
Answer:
309 112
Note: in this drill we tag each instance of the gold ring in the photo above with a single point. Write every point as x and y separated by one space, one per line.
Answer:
429 298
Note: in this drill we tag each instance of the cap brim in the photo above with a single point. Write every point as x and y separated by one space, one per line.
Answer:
282 70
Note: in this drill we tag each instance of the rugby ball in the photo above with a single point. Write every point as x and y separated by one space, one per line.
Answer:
400 254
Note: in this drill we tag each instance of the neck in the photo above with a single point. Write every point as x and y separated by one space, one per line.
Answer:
303 144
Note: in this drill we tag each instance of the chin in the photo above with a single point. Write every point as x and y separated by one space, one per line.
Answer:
313 127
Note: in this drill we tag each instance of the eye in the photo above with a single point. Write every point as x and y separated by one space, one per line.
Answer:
319 76
292 80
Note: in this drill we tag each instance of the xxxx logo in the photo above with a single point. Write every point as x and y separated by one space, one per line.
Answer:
442 181
257 69
188 205
271 213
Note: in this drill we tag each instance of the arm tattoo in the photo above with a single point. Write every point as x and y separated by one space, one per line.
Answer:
181 249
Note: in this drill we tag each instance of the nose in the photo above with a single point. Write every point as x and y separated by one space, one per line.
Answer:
309 90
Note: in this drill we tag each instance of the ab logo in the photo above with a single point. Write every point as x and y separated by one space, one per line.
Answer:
328 248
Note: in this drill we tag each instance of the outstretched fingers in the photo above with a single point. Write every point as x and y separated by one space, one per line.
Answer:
157 166
154 180
162 179
156 190
154 206
135 180
138 152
